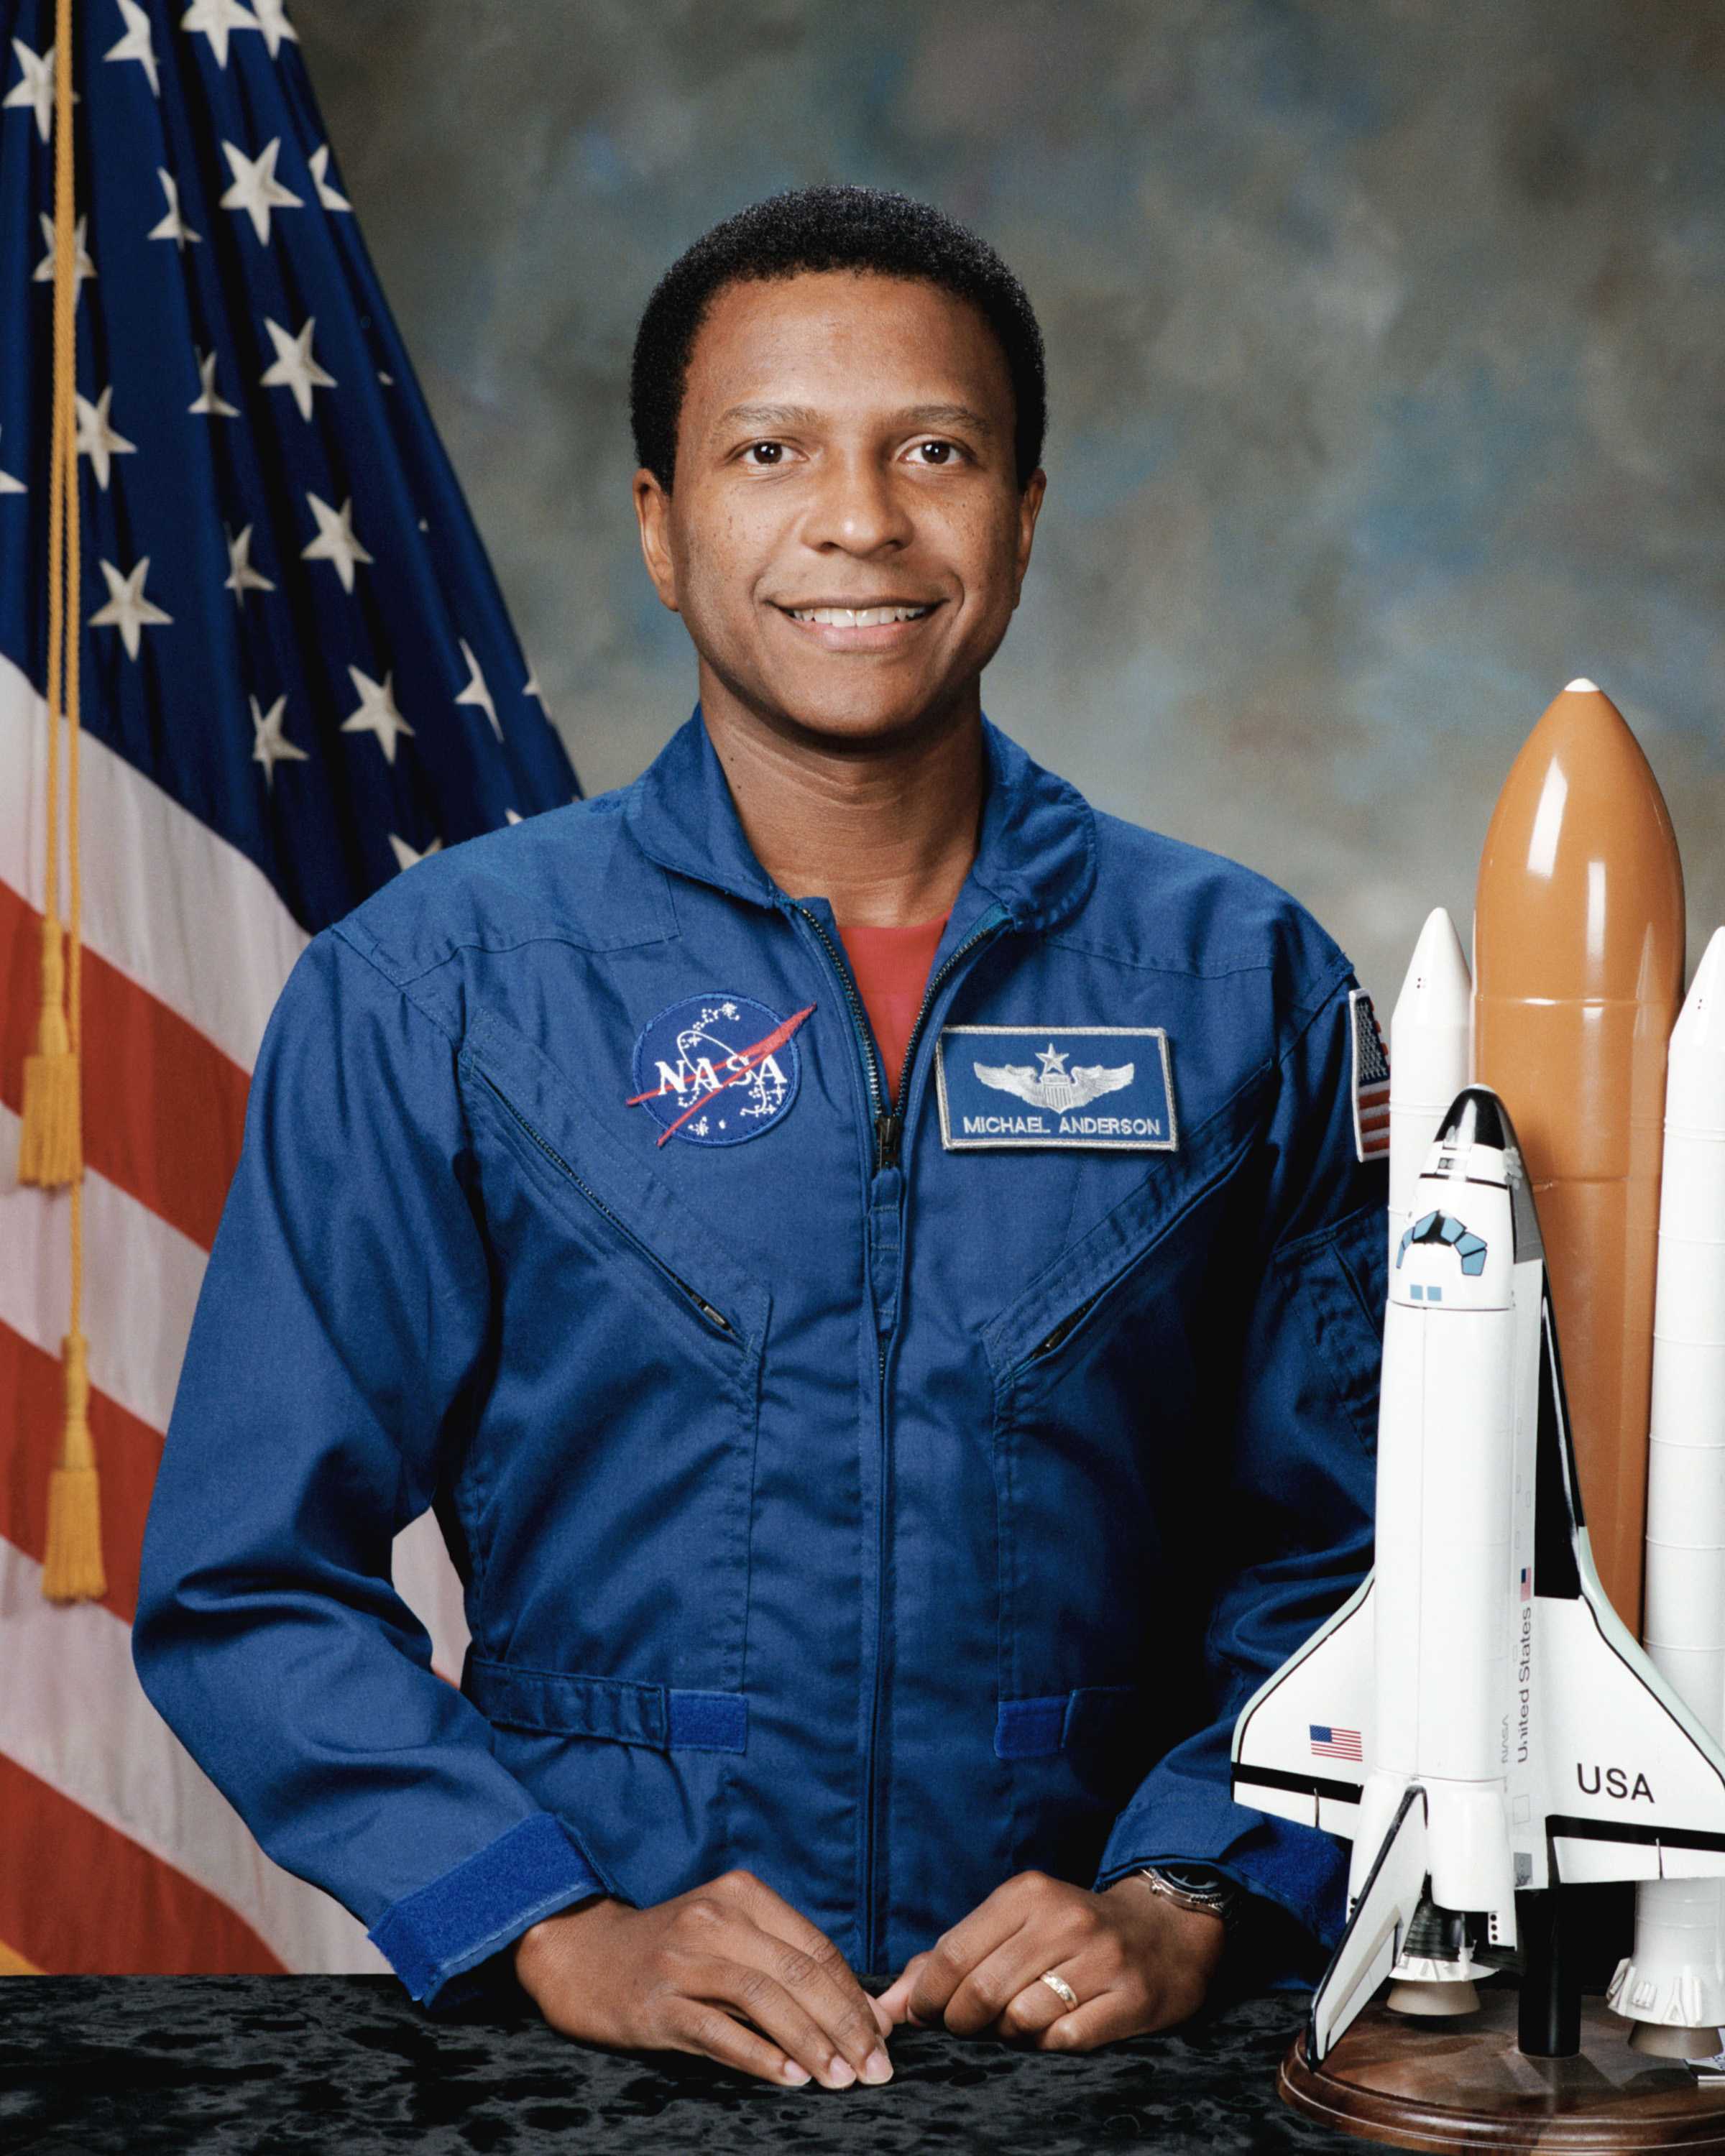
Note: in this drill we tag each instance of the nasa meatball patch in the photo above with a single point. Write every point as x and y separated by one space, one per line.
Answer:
714 1070
1109 1087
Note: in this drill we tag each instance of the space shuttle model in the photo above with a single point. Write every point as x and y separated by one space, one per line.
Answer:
1478 1719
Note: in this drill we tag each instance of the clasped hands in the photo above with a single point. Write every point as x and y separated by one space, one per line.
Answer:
731 1971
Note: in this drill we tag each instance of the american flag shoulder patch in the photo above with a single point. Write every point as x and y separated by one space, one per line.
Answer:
1370 1079
1329 1742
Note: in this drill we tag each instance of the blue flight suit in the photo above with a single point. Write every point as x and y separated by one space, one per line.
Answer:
887 1497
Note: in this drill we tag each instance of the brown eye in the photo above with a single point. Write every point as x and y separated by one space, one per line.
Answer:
776 449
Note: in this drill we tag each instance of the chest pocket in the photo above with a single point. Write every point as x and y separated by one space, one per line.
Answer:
1103 1370
613 1480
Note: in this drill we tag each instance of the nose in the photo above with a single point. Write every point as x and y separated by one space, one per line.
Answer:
855 508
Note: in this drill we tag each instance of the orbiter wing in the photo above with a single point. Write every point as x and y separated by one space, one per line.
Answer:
1628 1783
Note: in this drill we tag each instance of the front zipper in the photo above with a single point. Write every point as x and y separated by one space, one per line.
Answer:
871 1063
714 1317
984 928
889 1131
889 1123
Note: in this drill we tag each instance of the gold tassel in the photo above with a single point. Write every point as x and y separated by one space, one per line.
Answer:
50 1145
72 1568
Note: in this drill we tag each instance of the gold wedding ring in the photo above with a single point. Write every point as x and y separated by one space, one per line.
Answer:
1059 1986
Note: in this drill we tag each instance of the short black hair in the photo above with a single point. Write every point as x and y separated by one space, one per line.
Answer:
830 228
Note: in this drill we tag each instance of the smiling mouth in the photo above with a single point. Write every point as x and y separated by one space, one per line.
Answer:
870 617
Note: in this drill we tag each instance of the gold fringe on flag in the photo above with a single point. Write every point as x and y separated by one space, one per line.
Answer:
72 1570
53 1148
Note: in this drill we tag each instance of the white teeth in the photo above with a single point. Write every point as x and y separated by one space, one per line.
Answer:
858 616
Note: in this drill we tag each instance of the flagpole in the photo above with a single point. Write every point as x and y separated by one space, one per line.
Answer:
52 1152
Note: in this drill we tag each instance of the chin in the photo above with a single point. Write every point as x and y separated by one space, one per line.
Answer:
838 719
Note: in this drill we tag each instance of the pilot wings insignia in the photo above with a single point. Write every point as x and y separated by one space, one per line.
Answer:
1054 1086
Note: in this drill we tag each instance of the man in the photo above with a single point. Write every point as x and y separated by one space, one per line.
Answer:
877 1489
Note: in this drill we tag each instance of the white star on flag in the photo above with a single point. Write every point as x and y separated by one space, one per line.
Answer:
8 485
136 44
215 18
35 89
510 816
330 197
270 745
335 541
293 367
209 400
476 692
273 22
377 713
241 576
405 856
173 226
82 266
96 440
256 189
127 609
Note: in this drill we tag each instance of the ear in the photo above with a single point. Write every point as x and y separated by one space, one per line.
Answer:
652 515
1029 507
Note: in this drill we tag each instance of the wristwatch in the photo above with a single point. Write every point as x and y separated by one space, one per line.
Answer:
1198 1886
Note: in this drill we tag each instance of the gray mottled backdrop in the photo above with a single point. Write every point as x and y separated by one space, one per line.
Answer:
1387 345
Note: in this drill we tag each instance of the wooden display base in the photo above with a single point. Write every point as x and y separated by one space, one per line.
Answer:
1462 2084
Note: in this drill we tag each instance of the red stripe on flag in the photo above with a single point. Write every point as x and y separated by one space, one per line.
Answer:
128 1453
164 1109
79 1898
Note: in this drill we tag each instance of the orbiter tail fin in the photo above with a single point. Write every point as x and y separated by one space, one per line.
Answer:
1380 1923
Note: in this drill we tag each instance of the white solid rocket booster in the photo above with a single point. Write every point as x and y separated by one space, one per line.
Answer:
1673 1985
1428 1056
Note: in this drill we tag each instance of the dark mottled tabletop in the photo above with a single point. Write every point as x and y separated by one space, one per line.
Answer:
344 2065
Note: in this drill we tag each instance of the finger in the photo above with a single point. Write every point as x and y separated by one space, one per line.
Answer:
1003 1993
1035 2006
697 2025
801 1957
1102 2019
955 1954
895 2001
739 1987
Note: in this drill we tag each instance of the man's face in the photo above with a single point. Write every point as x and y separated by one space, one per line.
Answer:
846 441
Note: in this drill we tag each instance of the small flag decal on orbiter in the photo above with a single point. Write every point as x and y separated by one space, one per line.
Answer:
1371 1080
1330 1743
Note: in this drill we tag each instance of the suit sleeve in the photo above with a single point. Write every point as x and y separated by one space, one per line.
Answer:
336 1357
1296 1505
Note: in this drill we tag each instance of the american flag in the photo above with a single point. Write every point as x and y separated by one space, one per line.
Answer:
1526 1584
298 679
1332 1743
1371 1080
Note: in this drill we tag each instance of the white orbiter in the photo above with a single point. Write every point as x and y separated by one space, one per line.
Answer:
1475 1718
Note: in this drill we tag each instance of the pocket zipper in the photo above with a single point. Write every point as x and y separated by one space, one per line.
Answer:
1046 1346
716 1318
1191 1198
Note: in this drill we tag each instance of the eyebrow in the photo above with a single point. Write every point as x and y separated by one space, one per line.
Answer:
804 415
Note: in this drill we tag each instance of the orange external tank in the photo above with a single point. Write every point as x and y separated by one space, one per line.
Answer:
1578 979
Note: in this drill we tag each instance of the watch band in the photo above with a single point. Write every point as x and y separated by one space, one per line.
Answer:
1197 1887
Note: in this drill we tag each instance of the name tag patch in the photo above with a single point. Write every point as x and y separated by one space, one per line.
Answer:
1107 1086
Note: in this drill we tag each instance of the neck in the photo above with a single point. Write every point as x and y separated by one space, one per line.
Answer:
884 831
